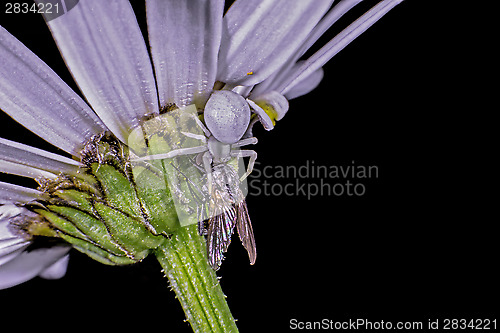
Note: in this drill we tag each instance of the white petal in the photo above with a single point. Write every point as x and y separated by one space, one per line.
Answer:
340 41
5 233
11 248
10 193
326 22
27 265
10 244
57 270
7 211
243 90
259 36
185 39
18 152
274 100
32 162
24 171
307 85
32 94
330 18
104 49
264 118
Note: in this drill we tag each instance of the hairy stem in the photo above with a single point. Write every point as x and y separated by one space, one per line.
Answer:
195 283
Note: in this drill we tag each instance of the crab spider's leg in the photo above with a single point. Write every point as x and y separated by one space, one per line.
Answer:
173 153
195 136
207 163
203 127
246 153
245 142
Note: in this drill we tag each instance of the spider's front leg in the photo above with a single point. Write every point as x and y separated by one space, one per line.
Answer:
172 153
246 153
245 142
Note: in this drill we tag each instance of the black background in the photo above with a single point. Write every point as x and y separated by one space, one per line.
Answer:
409 96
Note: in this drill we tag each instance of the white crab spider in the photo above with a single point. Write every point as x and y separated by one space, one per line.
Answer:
227 118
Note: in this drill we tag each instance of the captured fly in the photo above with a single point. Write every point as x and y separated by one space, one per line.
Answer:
228 209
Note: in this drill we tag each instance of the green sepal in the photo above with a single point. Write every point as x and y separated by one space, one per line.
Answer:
157 201
86 182
61 224
127 231
117 189
97 253
82 243
41 227
94 229
77 199
156 206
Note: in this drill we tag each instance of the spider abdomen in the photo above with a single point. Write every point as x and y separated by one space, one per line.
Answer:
227 115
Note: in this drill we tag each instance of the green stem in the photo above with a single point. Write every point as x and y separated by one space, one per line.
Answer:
195 283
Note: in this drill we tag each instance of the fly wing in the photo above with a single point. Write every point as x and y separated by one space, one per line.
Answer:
228 209
245 231
220 230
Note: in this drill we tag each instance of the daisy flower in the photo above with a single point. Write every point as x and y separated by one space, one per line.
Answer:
253 55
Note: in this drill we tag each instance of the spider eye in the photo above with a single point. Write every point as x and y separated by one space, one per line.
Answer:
227 115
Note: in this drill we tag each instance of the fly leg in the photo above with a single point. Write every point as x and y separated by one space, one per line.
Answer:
207 163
